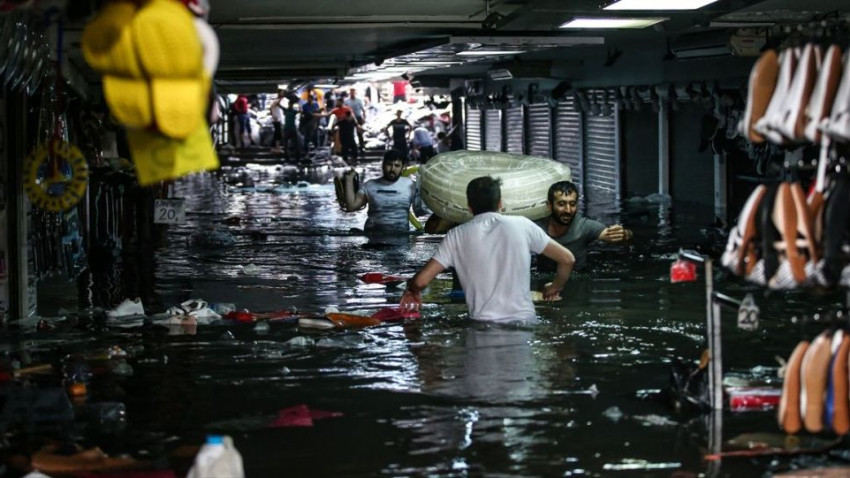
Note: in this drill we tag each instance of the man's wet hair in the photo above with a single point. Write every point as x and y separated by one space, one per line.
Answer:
564 187
392 156
483 194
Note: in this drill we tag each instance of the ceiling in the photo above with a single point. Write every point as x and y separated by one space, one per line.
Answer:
266 42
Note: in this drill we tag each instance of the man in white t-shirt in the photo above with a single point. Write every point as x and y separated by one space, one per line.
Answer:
424 143
492 256
277 121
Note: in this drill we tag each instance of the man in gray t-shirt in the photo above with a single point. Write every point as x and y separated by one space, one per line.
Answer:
574 232
389 197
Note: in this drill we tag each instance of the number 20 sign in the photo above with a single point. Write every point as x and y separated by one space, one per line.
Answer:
169 211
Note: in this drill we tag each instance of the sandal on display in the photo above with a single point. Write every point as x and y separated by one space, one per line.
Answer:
761 85
820 103
793 116
766 125
788 412
814 373
838 126
837 405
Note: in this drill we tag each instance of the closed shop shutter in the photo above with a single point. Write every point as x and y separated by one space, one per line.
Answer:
691 171
540 130
514 130
473 129
493 130
602 159
568 140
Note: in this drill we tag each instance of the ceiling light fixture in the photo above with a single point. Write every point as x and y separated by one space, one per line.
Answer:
658 4
489 52
326 86
613 22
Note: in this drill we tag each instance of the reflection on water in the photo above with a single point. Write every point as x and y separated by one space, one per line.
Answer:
439 396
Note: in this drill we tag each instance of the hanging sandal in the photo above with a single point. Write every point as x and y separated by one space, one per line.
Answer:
838 126
740 256
796 248
788 412
793 115
814 374
823 96
837 405
766 126
761 86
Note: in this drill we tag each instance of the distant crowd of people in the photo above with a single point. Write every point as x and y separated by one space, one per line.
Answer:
312 118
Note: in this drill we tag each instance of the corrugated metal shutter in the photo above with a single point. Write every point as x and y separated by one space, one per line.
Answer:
473 129
493 130
540 130
514 130
602 158
568 140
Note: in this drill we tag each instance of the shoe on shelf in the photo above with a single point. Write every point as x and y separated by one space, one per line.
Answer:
127 308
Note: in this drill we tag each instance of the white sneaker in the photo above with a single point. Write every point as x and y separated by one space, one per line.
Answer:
127 308
204 315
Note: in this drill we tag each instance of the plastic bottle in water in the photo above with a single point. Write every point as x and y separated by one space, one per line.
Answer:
218 458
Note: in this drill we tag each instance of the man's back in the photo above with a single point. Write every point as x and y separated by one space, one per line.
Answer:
492 256
422 137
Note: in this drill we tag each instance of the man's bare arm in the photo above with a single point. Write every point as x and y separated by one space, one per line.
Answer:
565 260
353 201
412 297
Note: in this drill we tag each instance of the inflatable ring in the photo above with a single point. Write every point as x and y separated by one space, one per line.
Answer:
525 182
414 221
57 188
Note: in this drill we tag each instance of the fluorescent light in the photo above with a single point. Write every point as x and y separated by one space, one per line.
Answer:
282 86
326 86
658 4
489 52
435 63
612 22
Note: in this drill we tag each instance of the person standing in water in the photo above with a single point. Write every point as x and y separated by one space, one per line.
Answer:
389 197
573 231
400 131
492 256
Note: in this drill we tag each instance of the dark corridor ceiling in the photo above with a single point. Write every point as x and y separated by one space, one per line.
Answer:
265 42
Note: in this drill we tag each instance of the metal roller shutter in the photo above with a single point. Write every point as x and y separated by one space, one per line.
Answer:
568 140
493 130
540 130
514 130
473 129
602 159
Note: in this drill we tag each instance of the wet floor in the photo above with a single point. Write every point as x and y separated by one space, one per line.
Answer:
575 395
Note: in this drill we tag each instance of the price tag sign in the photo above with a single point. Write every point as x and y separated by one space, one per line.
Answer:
168 211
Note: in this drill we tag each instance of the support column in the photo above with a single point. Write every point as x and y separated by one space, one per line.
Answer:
664 149
720 186
20 295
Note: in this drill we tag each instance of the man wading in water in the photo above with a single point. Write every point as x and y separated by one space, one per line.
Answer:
492 256
572 231
389 197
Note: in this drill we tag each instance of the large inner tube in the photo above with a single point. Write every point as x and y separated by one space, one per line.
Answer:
525 182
